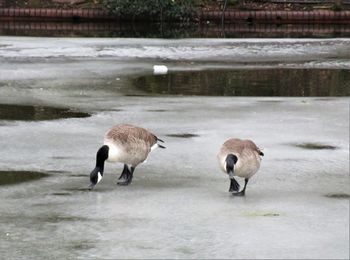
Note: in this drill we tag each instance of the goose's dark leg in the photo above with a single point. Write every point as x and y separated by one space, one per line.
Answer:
124 173
234 186
128 176
242 192
132 169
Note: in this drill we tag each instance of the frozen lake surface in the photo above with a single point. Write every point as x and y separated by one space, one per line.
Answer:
178 205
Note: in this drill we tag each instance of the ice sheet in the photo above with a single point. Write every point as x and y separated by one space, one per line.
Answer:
178 206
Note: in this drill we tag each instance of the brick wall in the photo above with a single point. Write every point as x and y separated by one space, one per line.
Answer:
317 16
54 14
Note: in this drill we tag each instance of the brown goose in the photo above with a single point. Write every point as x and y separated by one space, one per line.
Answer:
125 144
239 158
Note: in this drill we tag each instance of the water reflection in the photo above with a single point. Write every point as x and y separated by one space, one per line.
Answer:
260 82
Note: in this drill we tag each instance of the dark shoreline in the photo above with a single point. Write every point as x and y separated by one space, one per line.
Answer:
173 30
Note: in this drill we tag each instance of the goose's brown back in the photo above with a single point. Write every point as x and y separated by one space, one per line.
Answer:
133 142
238 145
248 156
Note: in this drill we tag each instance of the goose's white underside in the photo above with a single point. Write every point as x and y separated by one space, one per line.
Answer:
245 167
116 154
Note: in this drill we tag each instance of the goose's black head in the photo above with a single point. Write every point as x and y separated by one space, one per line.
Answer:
97 173
231 160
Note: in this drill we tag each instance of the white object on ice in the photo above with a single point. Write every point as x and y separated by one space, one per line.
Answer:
160 69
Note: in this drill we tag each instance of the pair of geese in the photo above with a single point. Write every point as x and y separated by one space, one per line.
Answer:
131 145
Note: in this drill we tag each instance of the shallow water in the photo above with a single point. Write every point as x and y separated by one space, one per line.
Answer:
36 113
178 206
15 177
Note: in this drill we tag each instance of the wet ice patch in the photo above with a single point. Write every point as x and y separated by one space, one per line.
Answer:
135 95
261 214
16 177
183 135
80 189
58 172
338 196
37 113
79 175
81 245
270 101
114 110
324 99
60 157
56 218
61 194
315 146
156 110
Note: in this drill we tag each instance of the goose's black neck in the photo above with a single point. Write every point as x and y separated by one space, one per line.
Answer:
101 156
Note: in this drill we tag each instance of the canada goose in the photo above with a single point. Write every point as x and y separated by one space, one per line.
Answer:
125 144
239 158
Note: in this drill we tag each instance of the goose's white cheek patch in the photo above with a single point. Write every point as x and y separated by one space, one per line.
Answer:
99 177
